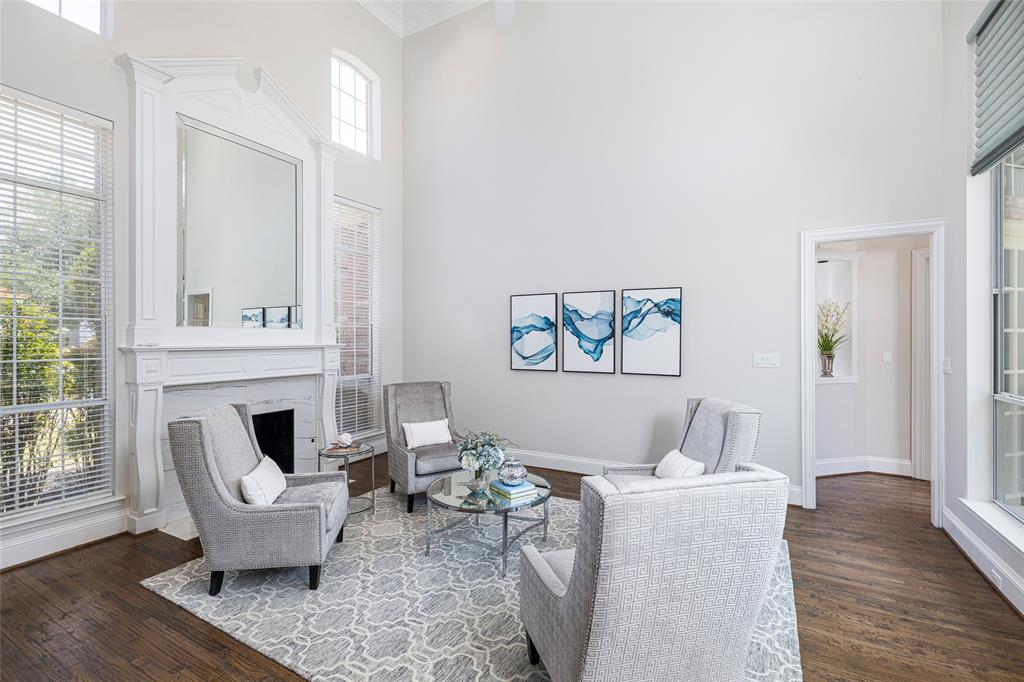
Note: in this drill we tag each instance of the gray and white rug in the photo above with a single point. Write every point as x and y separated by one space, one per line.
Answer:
384 611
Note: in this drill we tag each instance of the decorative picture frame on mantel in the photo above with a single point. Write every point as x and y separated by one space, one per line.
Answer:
652 333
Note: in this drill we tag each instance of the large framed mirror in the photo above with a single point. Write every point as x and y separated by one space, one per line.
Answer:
239 231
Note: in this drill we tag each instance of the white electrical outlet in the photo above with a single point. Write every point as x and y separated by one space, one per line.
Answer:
947 365
887 357
766 360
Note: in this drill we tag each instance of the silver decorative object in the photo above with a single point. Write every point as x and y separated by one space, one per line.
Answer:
826 364
512 472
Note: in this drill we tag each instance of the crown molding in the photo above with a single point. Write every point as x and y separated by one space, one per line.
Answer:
406 17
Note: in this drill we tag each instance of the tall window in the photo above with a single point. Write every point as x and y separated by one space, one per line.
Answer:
55 283
1008 465
354 109
90 14
356 260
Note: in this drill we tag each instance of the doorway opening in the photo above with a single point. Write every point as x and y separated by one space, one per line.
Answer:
868 404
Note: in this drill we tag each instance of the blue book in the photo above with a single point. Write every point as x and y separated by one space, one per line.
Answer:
522 488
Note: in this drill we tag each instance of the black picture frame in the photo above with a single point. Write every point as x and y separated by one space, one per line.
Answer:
554 319
615 331
622 337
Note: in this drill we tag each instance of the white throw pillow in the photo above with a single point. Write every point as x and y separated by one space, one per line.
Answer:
263 484
419 434
677 465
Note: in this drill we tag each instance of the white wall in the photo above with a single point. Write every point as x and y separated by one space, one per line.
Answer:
611 145
55 59
866 426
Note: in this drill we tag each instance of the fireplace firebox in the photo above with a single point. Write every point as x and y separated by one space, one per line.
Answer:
275 432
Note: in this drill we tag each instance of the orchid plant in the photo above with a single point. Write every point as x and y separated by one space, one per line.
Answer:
832 319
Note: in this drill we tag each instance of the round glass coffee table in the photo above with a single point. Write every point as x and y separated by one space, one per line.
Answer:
450 492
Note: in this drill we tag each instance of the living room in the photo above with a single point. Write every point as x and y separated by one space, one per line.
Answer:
510 307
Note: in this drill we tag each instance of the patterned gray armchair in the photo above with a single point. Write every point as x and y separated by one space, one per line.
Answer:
424 401
718 432
212 452
666 582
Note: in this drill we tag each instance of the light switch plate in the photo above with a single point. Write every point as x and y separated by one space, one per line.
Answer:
887 357
947 365
766 360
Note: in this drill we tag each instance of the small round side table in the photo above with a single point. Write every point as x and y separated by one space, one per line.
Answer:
354 450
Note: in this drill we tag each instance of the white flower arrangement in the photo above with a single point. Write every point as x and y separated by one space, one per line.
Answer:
479 452
831 323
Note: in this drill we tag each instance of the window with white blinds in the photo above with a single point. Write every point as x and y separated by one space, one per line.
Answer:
998 38
55 287
356 266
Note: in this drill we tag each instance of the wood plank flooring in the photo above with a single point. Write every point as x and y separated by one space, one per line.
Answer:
880 594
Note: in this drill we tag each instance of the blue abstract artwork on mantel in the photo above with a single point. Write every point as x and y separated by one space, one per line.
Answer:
588 323
534 337
652 331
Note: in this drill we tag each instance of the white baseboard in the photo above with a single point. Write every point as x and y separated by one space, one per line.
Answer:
854 465
146 522
548 460
38 537
1005 578
796 496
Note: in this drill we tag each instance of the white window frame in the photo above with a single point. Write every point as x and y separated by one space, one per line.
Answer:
101 499
1003 400
106 16
373 113
347 381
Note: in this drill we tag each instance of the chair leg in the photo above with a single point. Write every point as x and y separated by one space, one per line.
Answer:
216 582
408 502
392 485
531 651
341 535
314 577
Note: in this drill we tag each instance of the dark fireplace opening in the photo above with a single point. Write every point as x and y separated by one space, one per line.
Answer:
275 432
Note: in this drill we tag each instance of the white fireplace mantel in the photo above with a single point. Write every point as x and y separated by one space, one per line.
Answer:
160 354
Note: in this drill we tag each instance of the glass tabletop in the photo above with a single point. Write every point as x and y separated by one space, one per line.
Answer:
356 448
451 492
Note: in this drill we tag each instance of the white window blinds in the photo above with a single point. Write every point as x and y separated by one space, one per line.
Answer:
998 38
356 265
55 286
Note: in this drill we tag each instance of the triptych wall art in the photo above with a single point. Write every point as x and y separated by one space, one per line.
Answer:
649 324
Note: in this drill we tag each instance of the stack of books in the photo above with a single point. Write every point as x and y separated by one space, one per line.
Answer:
514 494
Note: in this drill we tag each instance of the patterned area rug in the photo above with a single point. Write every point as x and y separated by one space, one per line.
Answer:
384 611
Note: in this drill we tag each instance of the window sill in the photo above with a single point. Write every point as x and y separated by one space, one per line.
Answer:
836 380
999 521
31 519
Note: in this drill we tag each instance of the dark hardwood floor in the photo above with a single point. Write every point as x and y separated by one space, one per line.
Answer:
880 595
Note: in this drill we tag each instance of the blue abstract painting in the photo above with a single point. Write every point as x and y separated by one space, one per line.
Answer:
533 332
588 321
652 331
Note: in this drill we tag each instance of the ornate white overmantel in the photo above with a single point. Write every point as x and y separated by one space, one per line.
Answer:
160 354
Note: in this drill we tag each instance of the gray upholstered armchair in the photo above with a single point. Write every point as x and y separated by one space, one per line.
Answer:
212 452
718 432
413 470
666 582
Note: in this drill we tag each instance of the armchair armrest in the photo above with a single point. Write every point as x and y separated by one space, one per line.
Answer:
528 555
294 480
631 470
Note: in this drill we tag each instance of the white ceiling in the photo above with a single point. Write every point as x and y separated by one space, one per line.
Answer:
406 17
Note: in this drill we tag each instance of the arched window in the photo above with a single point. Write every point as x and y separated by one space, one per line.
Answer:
355 105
